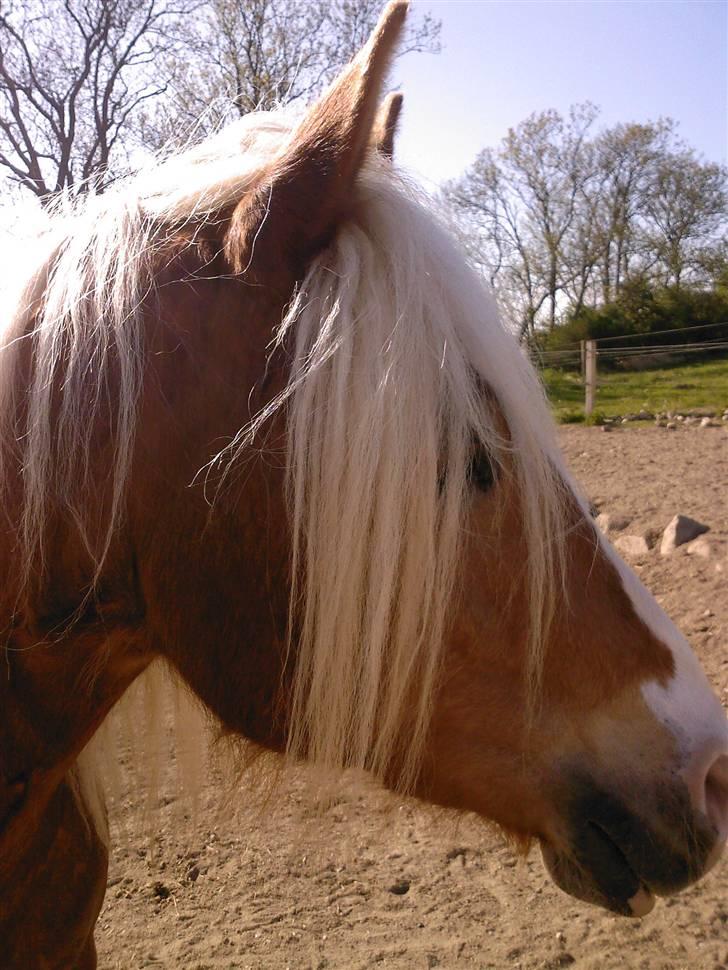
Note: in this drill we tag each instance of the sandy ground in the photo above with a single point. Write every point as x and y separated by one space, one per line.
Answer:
367 881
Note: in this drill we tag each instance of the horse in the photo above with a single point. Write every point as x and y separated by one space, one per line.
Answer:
259 421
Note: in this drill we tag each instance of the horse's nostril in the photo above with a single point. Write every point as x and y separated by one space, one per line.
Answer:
716 794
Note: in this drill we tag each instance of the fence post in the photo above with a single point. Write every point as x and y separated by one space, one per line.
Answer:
590 374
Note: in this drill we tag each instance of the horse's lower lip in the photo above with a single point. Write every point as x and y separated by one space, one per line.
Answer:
615 886
642 902
611 852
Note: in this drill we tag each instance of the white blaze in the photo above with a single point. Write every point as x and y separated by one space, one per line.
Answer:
687 704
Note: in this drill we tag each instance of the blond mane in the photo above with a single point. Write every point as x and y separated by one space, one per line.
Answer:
82 308
395 339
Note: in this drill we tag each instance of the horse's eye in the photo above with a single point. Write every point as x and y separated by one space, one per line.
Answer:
480 471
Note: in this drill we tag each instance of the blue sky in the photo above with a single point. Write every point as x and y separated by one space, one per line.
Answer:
503 59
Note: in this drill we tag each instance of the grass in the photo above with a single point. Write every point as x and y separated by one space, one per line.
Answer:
700 385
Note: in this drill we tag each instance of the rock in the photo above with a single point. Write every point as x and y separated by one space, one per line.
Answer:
679 531
635 547
671 426
699 547
645 415
400 888
606 427
707 423
708 548
611 522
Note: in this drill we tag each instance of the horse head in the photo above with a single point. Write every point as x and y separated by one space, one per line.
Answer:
263 422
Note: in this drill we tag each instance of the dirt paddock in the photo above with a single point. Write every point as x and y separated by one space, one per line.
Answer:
369 882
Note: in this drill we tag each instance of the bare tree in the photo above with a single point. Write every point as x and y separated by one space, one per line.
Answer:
606 242
523 200
85 82
560 220
626 158
581 251
686 211
73 74
497 237
248 55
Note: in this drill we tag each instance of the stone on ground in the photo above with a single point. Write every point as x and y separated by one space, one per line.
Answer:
634 547
708 548
610 522
680 530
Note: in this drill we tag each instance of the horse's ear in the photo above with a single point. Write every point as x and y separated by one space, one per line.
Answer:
385 127
308 188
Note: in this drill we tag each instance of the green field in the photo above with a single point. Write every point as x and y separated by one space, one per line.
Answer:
702 385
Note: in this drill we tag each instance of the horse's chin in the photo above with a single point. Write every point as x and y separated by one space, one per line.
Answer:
616 887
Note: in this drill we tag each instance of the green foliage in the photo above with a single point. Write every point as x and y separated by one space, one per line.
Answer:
571 417
596 418
720 278
645 309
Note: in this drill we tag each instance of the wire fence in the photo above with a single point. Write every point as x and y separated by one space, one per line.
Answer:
611 373
647 353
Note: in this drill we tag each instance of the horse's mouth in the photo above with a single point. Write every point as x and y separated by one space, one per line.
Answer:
613 856
608 880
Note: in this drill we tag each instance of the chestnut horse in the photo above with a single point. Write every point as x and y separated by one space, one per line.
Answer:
259 419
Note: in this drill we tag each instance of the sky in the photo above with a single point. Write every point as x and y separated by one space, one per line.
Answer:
504 59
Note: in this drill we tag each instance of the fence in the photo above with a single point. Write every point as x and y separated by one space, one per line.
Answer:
635 351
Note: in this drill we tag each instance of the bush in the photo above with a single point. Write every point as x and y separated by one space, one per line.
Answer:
596 418
644 309
570 417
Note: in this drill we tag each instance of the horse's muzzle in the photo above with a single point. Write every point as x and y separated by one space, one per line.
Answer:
621 851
